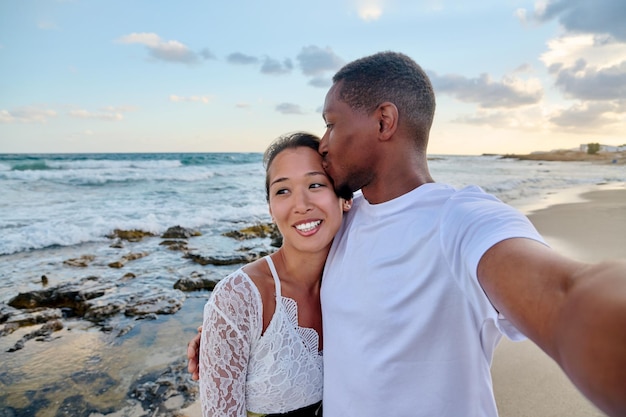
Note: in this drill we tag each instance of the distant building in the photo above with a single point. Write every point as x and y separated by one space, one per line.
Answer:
605 148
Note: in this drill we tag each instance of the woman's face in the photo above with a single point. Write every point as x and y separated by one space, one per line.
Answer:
302 200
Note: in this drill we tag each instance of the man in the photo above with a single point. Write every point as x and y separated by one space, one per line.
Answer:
422 279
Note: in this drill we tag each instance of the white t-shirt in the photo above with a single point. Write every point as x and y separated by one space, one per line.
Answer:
408 330
275 372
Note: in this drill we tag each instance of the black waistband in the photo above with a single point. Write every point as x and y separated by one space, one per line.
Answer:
313 410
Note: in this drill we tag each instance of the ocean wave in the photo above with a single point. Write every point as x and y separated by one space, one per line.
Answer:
96 176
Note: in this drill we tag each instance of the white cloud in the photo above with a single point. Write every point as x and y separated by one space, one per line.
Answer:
275 67
591 117
171 51
26 115
529 119
315 61
369 10
242 59
587 69
47 25
191 99
289 108
585 16
6 117
510 92
103 115
567 50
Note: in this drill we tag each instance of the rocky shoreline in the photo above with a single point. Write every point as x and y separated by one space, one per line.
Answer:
571 155
115 308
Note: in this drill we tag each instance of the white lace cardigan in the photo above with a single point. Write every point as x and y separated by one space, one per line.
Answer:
243 371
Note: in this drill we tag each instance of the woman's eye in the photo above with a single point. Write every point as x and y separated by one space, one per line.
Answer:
316 185
281 191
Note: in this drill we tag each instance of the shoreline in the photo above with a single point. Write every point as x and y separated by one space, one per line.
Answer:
587 224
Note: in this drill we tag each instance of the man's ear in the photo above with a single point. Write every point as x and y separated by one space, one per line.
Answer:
346 205
387 119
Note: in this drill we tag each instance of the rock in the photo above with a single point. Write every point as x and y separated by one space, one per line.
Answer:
224 260
68 295
262 230
162 390
42 334
178 232
20 318
117 264
129 235
180 245
219 260
128 277
168 302
101 309
80 262
129 257
195 282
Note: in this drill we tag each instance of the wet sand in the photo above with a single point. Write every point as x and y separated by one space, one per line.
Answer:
592 228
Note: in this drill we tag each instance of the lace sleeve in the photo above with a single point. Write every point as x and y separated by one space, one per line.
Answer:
231 322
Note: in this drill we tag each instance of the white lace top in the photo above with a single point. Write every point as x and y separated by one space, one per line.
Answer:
242 370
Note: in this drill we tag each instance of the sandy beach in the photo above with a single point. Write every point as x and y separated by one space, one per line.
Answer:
589 226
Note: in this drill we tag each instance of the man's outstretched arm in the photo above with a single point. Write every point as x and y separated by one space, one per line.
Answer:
575 312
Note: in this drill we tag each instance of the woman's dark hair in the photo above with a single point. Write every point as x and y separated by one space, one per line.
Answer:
289 141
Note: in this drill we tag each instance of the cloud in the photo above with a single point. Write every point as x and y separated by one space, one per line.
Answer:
191 99
585 16
241 59
26 115
586 69
530 120
47 25
590 83
590 117
275 67
207 54
566 51
508 93
108 116
243 105
169 51
369 10
321 82
315 61
289 108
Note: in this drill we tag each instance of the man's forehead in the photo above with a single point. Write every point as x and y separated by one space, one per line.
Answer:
329 101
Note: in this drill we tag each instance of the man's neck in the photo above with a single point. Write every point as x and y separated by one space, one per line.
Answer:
378 192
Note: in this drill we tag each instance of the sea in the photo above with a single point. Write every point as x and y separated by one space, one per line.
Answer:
52 201
55 207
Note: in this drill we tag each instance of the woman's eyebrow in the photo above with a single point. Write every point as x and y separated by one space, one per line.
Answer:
308 174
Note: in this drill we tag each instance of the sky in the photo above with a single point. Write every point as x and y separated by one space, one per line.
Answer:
230 76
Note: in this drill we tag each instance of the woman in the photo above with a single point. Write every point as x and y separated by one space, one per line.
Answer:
260 351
